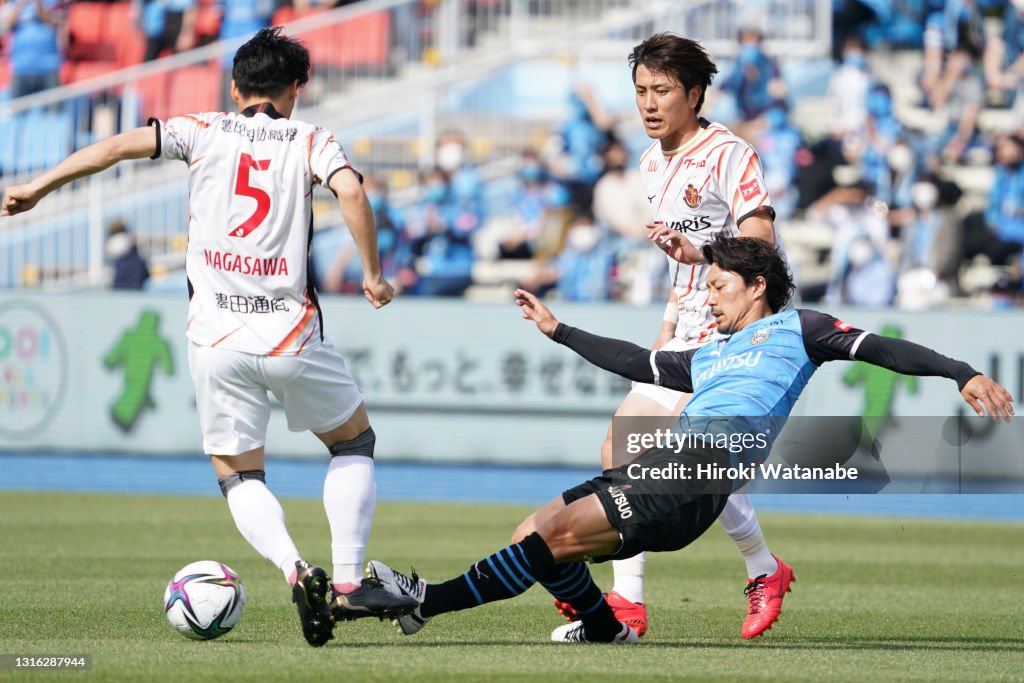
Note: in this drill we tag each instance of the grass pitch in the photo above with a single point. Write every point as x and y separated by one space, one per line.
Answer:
875 599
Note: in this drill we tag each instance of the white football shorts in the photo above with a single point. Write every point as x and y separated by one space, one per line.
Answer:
315 387
668 398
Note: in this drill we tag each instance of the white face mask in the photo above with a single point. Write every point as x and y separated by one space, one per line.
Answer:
861 252
583 238
450 156
924 196
901 158
118 245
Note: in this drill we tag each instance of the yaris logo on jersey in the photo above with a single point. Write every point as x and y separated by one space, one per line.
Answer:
246 265
690 224
692 197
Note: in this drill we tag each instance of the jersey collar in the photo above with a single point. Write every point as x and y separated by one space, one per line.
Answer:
262 108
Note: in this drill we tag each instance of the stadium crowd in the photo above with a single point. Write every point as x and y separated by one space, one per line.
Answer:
902 229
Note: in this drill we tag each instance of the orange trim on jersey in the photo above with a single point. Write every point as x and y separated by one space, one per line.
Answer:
709 138
750 166
665 189
196 161
226 335
689 285
309 151
303 344
296 331
649 150
202 124
718 162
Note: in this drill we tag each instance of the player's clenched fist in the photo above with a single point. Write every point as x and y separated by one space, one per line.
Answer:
18 199
534 310
378 291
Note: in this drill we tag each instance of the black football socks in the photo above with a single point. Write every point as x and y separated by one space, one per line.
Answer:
511 571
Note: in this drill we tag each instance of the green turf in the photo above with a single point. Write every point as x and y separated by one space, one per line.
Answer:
876 599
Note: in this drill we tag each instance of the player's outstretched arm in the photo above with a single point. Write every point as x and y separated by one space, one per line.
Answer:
980 392
621 357
358 214
135 144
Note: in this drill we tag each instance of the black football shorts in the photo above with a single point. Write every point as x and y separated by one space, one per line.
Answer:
651 509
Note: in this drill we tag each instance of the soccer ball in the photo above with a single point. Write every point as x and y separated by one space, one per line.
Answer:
204 600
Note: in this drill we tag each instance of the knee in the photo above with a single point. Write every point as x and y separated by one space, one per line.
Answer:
361 445
562 540
525 528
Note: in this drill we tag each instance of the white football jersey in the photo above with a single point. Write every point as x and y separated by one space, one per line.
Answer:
251 178
704 188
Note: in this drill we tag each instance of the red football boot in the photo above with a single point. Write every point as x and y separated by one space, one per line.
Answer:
764 599
633 614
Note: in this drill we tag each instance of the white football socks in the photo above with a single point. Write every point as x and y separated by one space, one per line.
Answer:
260 519
629 577
350 494
740 521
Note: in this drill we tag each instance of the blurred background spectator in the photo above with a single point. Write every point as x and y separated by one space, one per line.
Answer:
130 269
38 37
169 25
756 80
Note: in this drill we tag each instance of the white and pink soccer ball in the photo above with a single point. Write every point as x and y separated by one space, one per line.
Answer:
204 600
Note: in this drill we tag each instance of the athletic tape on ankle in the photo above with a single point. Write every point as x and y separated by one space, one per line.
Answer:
361 445
232 480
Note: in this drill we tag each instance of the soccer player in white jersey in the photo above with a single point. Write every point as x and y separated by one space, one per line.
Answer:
700 180
254 324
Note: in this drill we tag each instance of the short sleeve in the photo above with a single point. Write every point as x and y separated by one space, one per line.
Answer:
741 180
827 338
672 369
327 157
176 137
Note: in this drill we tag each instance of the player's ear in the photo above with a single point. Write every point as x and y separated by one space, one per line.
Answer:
693 96
759 287
236 97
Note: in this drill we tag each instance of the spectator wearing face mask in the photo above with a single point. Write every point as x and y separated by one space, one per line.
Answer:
344 272
848 89
779 144
529 223
861 272
756 80
998 233
930 240
440 239
452 158
583 271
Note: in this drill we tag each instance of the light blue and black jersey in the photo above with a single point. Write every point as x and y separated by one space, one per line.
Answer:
754 376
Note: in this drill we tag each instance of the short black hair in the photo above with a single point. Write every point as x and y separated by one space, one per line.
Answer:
269 63
750 257
679 57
